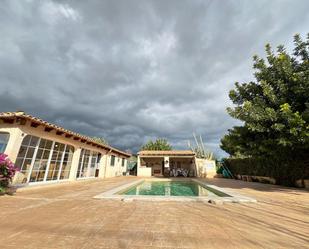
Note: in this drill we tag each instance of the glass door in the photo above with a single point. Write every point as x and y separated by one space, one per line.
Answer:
42 160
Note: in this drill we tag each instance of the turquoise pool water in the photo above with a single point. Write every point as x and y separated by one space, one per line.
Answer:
172 188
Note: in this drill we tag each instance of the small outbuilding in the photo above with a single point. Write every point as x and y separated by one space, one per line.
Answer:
172 163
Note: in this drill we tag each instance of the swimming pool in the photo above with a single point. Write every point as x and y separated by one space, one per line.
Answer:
167 189
171 188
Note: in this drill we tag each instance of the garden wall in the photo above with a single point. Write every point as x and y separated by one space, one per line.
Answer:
205 168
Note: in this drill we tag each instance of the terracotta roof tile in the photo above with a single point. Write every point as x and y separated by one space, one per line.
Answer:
4 115
166 153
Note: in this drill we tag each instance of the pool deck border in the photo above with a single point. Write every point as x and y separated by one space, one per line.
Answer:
233 197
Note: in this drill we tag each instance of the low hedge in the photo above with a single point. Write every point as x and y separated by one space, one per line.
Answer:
285 171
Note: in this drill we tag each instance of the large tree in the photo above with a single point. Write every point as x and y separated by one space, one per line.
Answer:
100 140
158 144
274 108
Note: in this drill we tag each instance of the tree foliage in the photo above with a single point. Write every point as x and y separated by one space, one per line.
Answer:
199 149
275 108
158 144
100 140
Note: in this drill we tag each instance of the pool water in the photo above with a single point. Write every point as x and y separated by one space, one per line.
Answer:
171 188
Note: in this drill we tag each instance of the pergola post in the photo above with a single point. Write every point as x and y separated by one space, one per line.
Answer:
166 165
15 140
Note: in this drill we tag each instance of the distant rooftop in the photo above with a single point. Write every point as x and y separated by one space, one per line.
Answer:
166 153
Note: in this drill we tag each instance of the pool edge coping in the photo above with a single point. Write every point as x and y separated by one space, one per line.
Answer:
233 197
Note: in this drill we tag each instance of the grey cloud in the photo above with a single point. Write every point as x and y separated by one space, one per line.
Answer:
135 70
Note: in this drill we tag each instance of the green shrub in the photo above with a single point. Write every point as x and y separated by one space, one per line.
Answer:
285 170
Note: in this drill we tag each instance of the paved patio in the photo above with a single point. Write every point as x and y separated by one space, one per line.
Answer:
66 216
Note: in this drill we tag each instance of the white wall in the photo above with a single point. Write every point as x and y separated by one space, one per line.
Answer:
143 170
117 169
205 168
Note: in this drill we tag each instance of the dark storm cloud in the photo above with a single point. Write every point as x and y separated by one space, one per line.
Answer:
134 70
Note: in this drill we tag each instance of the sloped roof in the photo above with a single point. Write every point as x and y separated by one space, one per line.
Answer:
166 153
22 115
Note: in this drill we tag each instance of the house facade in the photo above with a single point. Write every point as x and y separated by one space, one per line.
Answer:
47 153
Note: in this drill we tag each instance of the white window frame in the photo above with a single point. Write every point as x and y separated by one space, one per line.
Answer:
61 164
48 162
81 163
88 165
33 158
9 136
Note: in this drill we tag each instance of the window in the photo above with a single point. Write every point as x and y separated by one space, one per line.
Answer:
56 160
67 162
123 162
26 154
99 158
93 164
112 160
80 163
88 163
4 138
41 159
83 163
93 159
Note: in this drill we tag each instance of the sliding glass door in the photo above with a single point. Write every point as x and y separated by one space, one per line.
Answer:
44 160
88 163
94 164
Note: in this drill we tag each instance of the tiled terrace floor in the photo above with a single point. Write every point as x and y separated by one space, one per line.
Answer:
66 216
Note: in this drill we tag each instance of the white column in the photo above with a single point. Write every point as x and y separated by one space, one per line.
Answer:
108 166
74 166
195 167
102 166
126 165
166 163
14 143
138 165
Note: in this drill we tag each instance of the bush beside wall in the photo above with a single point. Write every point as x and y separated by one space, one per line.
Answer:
7 171
285 171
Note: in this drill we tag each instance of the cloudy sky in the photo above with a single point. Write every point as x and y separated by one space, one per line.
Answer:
131 71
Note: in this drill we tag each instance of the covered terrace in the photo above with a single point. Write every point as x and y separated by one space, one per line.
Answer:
166 163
